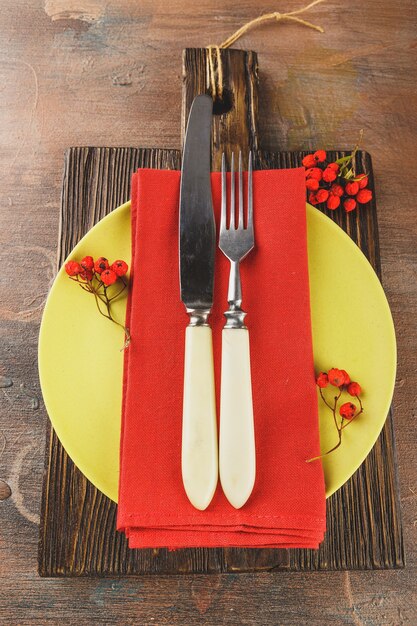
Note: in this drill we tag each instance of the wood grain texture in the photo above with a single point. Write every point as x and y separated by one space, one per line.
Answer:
114 78
78 524
235 122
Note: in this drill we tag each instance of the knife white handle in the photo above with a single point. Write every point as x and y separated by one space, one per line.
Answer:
199 427
237 462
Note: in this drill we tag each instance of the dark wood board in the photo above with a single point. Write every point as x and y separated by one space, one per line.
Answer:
77 533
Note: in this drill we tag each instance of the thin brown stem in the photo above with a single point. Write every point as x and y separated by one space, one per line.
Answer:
336 399
109 316
324 399
117 294
80 282
98 306
102 297
316 458
85 287
340 427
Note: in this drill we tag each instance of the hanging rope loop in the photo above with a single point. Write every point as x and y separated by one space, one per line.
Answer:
215 69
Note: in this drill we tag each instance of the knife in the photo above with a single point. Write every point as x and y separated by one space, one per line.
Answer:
197 246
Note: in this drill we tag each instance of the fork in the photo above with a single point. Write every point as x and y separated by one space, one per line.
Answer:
237 463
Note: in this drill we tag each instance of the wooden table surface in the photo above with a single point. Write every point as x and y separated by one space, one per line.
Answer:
94 72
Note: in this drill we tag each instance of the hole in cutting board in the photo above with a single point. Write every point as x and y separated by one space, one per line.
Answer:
223 105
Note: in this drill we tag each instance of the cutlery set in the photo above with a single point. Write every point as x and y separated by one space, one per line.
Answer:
204 458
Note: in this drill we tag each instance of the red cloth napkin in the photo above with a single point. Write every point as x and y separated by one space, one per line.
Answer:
287 505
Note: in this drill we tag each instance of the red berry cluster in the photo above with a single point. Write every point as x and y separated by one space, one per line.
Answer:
348 411
341 379
335 183
88 269
95 277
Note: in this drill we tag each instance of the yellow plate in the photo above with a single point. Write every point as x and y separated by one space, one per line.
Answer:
80 361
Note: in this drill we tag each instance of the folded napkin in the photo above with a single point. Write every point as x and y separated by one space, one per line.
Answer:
287 505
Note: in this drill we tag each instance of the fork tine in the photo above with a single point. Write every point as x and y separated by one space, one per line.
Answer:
223 222
232 223
250 194
240 222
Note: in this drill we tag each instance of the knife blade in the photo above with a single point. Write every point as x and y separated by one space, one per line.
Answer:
197 246
197 226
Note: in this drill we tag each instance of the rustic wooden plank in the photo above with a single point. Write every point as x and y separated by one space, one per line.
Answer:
236 113
78 535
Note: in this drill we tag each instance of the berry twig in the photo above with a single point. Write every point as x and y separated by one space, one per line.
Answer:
348 411
336 183
96 278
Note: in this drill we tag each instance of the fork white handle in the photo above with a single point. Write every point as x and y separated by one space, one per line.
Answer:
237 459
199 427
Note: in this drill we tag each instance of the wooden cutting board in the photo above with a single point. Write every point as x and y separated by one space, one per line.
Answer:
78 524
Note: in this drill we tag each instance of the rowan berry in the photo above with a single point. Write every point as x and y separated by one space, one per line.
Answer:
346 377
347 410
312 184
87 274
349 204
72 268
334 166
329 175
320 155
333 202
101 264
362 182
322 195
354 389
108 277
87 263
314 172
337 190
352 188
336 377
322 380
364 195
312 198
309 161
119 267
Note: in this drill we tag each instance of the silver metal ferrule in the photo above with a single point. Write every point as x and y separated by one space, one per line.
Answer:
235 316
198 317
